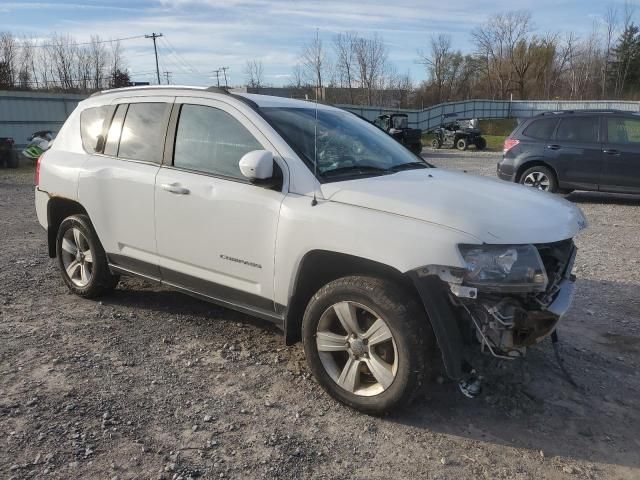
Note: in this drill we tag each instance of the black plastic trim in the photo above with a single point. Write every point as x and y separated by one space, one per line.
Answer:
222 295
443 322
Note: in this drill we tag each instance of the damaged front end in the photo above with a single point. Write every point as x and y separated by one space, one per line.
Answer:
509 297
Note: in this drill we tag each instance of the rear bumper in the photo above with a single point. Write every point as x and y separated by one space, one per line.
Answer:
41 200
506 174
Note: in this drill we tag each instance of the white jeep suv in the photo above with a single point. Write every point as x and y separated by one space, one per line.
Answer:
312 218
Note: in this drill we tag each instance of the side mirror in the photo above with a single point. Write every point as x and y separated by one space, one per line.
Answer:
257 165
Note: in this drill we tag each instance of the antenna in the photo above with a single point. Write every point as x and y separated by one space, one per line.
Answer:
314 202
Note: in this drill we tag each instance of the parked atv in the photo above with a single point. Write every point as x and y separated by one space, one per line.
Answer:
7 155
39 142
397 125
454 134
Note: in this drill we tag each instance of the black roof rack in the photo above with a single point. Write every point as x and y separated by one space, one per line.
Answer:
218 90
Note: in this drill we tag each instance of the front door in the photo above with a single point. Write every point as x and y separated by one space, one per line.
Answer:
215 230
621 156
576 152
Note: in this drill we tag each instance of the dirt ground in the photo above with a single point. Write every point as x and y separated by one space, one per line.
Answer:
148 383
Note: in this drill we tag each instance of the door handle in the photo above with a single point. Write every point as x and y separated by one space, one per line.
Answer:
611 151
175 188
553 147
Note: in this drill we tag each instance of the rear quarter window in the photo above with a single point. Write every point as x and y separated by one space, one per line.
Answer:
91 122
541 129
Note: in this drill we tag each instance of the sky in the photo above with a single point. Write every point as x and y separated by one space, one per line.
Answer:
200 36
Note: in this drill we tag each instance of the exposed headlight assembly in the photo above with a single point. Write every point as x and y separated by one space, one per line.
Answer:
503 268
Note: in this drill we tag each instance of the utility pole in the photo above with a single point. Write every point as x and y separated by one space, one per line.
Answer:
153 37
167 76
217 74
224 71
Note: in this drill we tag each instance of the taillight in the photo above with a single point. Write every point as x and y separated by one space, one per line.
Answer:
509 143
37 176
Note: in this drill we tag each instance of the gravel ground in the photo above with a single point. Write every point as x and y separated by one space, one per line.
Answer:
148 383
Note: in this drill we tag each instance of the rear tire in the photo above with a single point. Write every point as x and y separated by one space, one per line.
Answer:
398 356
435 144
540 177
13 160
461 144
82 260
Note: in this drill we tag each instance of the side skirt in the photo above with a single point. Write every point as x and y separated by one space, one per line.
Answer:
248 307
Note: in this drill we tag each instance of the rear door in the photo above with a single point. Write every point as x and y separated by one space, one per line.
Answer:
117 185
621 155
575 152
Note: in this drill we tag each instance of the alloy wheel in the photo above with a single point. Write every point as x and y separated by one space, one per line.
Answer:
357 348
537 180
77 257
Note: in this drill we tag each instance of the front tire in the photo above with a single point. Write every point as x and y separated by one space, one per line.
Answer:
435 144
366 342
481 143
540 177
82 260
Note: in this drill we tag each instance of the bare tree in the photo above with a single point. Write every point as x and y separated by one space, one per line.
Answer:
98 58
116 63
298 76
372 60
314 63
610 22
254 72
8 60
443 65
497 41
346 64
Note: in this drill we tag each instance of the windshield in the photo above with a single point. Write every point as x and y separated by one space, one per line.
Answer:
400 122
346 144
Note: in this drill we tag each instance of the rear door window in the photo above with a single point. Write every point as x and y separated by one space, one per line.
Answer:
143 132
115 129
623 130
541 129
91 122
579 129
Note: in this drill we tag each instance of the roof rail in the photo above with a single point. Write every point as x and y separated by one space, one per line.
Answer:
218 90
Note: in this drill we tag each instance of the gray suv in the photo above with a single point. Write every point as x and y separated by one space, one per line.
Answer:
575 150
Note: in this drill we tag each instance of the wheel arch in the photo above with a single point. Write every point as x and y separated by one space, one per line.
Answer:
59 208
319 267
536 162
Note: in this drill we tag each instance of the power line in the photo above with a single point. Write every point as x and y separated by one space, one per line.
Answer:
89 43
184 61
153 36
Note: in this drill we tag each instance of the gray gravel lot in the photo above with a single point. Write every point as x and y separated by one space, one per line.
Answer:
148 383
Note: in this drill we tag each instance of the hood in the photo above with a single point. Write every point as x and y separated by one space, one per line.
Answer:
491 210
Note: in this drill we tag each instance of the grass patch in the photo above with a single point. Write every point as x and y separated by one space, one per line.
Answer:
500 127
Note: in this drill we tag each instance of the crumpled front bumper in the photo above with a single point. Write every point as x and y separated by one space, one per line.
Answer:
563 300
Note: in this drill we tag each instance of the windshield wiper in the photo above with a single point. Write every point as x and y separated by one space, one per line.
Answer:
408 166
355 169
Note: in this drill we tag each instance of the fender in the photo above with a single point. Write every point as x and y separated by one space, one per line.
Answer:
443 322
